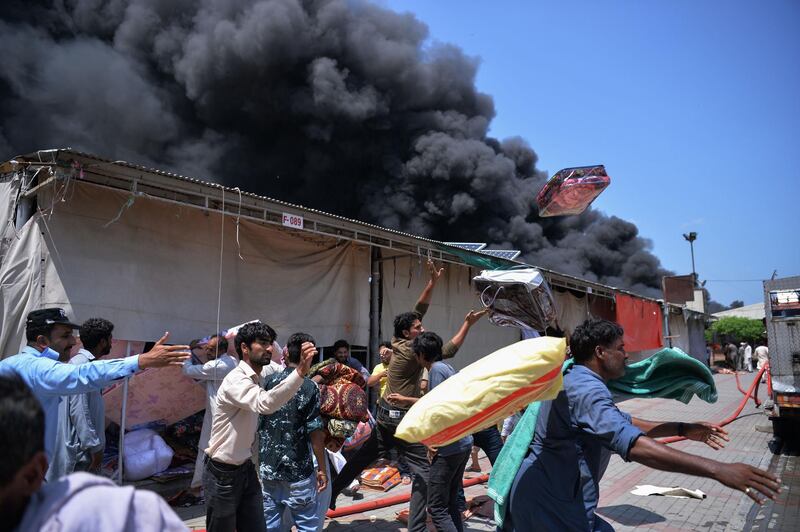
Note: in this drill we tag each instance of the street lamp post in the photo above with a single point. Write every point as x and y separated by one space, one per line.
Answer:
691 237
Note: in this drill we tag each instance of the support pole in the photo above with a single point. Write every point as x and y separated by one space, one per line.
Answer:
124 412
374 311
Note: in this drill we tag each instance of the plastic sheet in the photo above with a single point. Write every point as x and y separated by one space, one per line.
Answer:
146 454
517 298
571 190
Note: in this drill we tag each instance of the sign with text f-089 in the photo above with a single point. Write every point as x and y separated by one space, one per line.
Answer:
292 220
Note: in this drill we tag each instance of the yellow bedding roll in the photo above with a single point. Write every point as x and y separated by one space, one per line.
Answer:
486 392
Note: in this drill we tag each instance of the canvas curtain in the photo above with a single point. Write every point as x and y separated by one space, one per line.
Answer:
642 321
21 253
571 310
679 331
154 267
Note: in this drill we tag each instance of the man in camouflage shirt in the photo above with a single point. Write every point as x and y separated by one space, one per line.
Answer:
287 472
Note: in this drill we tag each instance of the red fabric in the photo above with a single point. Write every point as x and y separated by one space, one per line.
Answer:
642 321
343 400
337 373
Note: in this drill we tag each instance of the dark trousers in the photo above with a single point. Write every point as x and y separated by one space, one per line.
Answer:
444 483
491 443
233 498
379 443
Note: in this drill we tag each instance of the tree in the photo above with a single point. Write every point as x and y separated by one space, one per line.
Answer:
737 303
736 329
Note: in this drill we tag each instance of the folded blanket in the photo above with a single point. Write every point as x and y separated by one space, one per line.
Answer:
669 373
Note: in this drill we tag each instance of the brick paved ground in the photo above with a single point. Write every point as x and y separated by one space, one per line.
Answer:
722 510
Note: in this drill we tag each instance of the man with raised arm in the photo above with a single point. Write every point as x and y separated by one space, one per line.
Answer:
232 489
210 375
402 389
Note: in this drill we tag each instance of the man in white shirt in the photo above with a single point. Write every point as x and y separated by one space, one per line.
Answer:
748 358
762 355
232 488
81 433
210 374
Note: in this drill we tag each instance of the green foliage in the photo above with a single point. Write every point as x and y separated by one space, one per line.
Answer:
736 329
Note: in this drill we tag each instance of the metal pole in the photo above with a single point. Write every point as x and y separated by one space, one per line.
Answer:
694 275
374 310
665 314
122 421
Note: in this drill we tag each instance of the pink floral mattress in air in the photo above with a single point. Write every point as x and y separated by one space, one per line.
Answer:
571 190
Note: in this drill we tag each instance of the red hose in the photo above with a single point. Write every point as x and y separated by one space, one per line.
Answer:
739 386
390 501
405 497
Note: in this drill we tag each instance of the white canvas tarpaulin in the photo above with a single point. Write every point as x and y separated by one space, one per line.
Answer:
156 268
571 310
679 331
20 269
697 337
452 298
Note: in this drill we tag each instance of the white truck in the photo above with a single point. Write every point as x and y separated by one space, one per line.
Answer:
782 310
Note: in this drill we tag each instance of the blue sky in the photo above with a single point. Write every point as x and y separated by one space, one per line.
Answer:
694 108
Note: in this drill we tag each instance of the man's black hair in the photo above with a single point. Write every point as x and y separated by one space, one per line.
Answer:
21 426
590 334
428 345
338 344
32 333
404 322
293 345
93 331
222 343
250 332
385 343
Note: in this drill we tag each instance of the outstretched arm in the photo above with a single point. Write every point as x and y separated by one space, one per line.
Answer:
742 477
455 343
712 435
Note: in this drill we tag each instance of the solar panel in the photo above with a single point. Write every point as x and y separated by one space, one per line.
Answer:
470 246
509 254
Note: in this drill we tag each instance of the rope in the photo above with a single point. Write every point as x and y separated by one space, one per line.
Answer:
238 217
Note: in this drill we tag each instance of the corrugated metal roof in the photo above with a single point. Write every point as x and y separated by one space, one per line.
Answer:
60 156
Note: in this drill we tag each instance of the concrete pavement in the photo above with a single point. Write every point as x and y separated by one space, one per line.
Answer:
722 510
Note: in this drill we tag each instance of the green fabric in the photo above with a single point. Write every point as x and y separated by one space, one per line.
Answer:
669 373
510 459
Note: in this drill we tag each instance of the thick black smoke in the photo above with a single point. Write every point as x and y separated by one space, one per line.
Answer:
340 105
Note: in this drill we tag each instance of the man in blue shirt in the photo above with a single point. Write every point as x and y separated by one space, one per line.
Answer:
448 462
341 351
557 485
41 365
